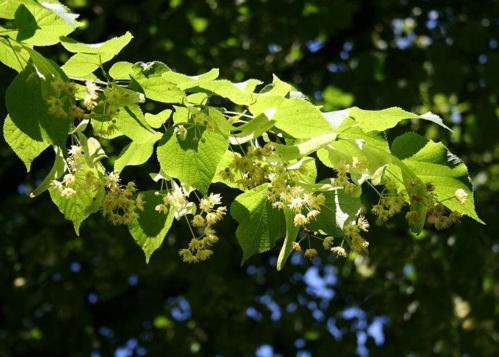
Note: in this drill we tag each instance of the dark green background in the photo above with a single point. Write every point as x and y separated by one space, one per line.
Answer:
63 296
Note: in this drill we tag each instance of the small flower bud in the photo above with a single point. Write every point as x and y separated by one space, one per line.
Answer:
300 220
339 251
327 242
310 253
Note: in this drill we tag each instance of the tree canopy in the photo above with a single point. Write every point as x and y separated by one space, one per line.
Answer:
434 293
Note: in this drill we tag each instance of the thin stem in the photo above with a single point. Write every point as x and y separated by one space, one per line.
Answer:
238 114
319 238
109 79
374 188
395 177
190 228
195 194
446 199
83 80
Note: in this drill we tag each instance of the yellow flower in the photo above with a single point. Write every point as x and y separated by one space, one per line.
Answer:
312 214
359 244
198 221
327 242
363 223
211 218
212 239
310 253
339 251
204 205
300 220
220 212
296 247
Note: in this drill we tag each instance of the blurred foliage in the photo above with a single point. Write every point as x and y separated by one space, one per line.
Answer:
436 294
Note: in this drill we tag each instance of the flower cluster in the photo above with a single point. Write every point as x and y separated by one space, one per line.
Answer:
327 244
65 187
390 203
304 204
253 168
61 90
343 180
199 249
353 237
178 200
74 161
90 100
60 104
441 217
56 107
120 202
206 214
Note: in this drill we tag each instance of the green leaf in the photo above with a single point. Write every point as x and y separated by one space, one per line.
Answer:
150 227
260 225
8 9
156 120
289 239
135 153
89 57
239 93
27 95
291 152
13 55
374 157
379 120
131 122
296 117
251 130
55 173
155 87
40 24
304 170
121 97
338 210
121 70
433 163
46 67
26 23
224 163
107 49
179 78
369 149
26 148
78 207
92 149
277 88
160 90
193 160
